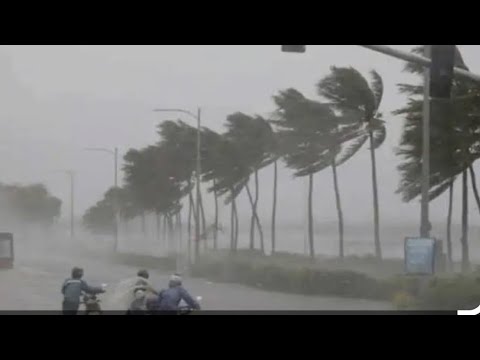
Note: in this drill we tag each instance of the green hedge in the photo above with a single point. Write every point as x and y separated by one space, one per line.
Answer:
300 280
458 293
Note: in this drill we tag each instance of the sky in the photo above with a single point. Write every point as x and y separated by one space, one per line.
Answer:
56 100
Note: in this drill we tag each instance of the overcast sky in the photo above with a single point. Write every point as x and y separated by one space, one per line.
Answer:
57 100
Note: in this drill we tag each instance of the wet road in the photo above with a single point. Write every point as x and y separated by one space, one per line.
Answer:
35 284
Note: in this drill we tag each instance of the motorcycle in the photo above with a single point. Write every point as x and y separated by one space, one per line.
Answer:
92 303
182 310
186 310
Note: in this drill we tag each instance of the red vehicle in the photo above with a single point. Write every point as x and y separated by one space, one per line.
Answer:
6 251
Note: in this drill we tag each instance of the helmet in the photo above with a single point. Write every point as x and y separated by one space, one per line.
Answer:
175 280
140 294
143 274
77 273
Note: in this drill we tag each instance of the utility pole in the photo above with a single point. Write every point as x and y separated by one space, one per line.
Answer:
198 173
424 216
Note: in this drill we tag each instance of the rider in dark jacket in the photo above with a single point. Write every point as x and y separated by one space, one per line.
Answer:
72 290
169 299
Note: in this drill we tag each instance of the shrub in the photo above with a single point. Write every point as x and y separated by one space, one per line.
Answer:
299 280
458 293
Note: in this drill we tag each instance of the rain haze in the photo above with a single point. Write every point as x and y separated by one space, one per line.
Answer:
55 101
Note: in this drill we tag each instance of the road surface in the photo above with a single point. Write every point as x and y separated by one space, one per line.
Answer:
35 284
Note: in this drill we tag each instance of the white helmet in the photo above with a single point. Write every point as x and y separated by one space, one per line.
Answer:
175 280
140 294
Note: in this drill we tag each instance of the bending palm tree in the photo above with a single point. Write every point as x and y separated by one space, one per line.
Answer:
351 93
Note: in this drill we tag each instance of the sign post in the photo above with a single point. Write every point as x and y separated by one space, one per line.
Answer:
420 256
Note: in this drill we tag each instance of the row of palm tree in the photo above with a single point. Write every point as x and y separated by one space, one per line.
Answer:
308 135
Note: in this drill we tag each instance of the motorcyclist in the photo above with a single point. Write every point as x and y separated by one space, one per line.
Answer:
72 290
169 299
143 284
141 290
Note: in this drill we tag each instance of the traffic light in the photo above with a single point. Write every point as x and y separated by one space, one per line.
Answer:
294 48
441 71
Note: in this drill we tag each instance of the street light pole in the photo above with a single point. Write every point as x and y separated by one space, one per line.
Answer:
198 173
116 201
424 216
72 205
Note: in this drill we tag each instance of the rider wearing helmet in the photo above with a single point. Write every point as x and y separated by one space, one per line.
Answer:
140 291
72 290
170 298
143 283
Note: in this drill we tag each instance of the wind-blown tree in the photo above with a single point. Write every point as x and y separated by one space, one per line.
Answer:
155 179
227 169
31 204
139 179
351 93
180 141
252 136
454 142
211 143
100 218
304 127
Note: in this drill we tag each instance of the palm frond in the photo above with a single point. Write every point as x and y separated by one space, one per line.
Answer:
377 88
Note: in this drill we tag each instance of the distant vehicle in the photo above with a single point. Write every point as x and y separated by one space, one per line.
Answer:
6 251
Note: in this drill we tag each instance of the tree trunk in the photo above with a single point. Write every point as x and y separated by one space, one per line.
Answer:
339 211
189 227
274 206
232 224
215 229
236 223
376 211
144 225
180 231
255 218
474 186
157 216
465 252
204 226
259 226
252 218
165 229
310 217
449 228
171 239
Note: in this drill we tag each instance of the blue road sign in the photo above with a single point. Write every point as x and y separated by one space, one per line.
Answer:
419 256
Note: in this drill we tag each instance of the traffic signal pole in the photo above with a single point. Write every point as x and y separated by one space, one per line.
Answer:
417 59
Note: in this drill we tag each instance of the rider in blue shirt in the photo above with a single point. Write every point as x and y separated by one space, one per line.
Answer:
169 299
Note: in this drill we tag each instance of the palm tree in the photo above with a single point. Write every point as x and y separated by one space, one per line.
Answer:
252 136
210 145
349 92
227 170
304 127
